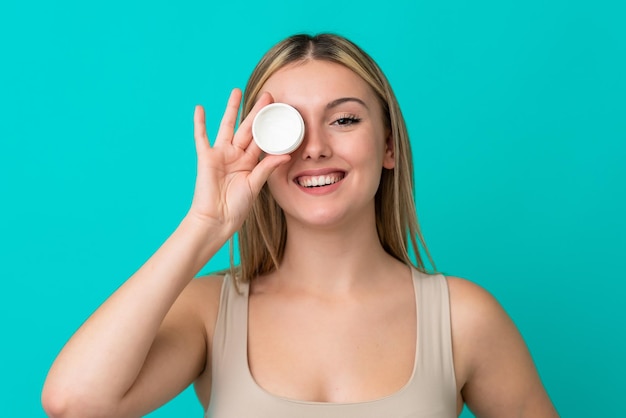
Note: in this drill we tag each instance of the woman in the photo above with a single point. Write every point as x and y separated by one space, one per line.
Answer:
327 315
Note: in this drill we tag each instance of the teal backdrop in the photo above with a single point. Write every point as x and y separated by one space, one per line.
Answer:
516 111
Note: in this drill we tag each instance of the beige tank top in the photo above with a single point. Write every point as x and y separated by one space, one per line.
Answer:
430 393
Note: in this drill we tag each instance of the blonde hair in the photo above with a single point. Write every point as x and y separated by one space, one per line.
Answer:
263 235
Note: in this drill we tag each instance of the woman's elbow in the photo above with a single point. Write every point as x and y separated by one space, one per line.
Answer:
60 402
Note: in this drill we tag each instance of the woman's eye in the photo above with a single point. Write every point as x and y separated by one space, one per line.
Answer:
347 121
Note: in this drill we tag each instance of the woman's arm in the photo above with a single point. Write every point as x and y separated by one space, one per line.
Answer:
147 341
494 368
95 373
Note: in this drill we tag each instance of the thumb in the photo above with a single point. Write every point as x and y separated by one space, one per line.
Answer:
264 169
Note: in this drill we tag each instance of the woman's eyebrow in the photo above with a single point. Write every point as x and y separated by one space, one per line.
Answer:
341 100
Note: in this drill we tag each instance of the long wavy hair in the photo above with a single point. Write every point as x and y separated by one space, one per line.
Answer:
263 235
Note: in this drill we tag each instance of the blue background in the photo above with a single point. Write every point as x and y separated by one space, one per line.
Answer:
517 116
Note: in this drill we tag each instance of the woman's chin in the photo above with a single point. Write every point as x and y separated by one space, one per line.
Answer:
322 218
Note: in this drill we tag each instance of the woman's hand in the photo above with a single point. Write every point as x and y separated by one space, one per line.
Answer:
231 173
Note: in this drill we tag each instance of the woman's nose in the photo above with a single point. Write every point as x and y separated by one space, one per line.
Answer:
315 144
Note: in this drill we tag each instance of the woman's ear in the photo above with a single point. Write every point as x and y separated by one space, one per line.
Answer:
389 159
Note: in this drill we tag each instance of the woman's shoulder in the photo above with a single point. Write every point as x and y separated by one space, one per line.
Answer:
490 356
488 350
208 289
468 296
202 291
209 284
475 312
201 299
477 322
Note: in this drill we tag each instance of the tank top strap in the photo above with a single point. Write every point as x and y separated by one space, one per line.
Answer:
231 332
434 353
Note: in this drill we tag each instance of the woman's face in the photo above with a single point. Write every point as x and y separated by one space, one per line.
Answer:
333 176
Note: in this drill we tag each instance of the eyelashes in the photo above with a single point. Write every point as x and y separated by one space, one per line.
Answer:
347 120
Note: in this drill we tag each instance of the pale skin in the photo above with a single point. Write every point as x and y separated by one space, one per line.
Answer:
152 337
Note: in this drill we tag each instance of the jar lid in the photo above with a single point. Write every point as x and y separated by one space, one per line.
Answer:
278 128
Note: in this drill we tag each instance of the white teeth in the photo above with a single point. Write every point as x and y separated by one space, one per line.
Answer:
319 180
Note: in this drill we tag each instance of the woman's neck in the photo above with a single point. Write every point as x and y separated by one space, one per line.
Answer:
333 259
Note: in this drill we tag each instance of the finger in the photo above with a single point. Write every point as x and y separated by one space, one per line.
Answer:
243 136
254 151
262 171
229 119
199 129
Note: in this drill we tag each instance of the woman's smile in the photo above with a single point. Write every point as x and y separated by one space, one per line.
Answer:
320 181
